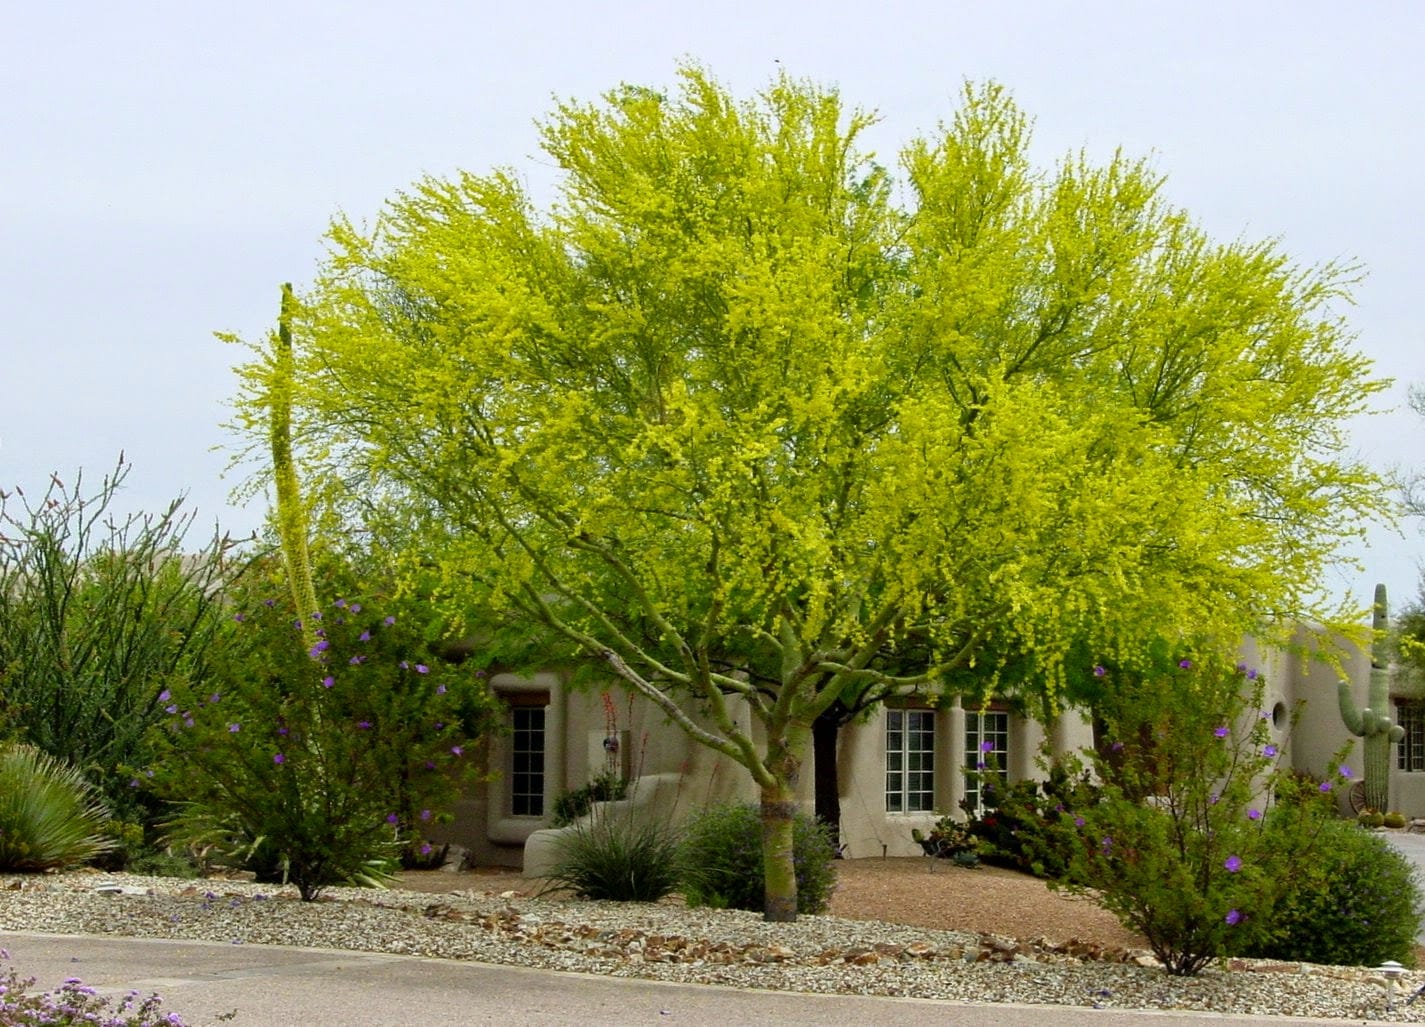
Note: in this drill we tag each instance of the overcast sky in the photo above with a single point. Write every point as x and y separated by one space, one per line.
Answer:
165 165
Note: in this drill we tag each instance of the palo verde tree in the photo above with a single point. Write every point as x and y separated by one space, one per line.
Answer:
761 428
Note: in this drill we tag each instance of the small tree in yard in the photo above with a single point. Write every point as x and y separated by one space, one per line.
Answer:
738 424
1197 831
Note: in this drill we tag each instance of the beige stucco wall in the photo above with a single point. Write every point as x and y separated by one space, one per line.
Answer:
689 776
867 829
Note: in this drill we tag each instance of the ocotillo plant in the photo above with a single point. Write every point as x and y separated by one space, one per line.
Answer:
1373 722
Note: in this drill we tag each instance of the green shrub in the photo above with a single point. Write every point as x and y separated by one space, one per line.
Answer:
572 805
1027 825
50 816
1361 906
618 858
721 855
1177 847
320 766
98 613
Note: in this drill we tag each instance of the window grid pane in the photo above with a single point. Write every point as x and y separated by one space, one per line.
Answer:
910 761
527 761
1410 751
987 742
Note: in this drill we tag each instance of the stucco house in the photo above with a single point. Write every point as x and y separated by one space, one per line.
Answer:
896 768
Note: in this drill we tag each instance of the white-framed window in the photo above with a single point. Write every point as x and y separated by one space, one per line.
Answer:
910 761
1410 750
986 756
526 748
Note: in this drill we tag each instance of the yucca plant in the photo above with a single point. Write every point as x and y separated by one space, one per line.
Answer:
49 815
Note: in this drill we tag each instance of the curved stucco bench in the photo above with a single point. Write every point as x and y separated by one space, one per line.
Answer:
653 796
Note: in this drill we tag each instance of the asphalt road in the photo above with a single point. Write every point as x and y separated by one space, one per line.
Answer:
276 986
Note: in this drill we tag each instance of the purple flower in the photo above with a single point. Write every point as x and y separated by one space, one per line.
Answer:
457 750
340 604
187 721
365 636
364 725
1270 750
391 818
234 728
389 621
322 646
979 764
1346 773
1233 864
1116 747
282 729
1251 675
317 615
987 747
440 725
279 759
1099 670
1254 814
1213 798
404 665
1107 843
425 848
171 708
134 783
425 814
165 695
355 660
239 617
214 697
1241 668
1078 821
1221 732
328 681
440 690
269 603
1233 917
355 607
421 668
1185 664
1325 786
430 764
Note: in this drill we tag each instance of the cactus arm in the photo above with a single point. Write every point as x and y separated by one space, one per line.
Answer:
1353 718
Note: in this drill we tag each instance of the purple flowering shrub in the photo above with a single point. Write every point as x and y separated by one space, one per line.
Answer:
322 763
1188 844
74 1003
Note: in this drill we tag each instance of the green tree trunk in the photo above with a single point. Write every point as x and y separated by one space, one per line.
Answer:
779 809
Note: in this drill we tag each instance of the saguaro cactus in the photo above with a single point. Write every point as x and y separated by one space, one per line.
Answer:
1373 722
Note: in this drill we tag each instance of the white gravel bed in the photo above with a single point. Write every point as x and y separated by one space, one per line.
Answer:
671 943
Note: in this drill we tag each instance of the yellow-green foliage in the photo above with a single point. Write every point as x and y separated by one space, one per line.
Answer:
742 415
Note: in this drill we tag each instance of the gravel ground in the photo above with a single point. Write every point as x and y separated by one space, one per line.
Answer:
671 943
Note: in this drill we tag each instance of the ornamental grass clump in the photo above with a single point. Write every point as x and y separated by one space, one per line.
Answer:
721 855
1178 846
618 857
50 817
320 763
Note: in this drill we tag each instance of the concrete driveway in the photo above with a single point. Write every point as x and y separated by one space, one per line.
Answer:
274 986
